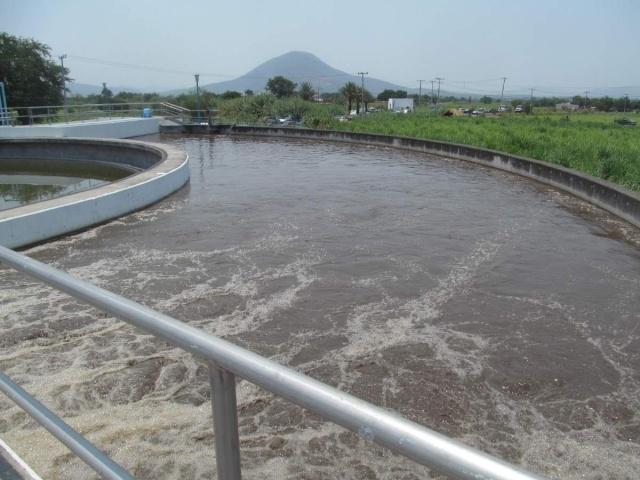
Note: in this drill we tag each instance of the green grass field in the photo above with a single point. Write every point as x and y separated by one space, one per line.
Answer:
590 142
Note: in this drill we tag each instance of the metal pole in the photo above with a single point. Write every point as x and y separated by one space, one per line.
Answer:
197 97
225 422
373 423
64 87
4 109
439 79
362 74
531 101
432 97
79 445
504 79
420 92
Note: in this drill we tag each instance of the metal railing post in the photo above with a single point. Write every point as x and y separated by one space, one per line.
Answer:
225 422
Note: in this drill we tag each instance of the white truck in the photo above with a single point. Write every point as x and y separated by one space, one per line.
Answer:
404 105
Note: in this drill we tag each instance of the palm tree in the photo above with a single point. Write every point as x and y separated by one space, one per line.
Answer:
350 92
306 91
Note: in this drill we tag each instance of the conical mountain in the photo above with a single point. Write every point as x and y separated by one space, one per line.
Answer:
298 67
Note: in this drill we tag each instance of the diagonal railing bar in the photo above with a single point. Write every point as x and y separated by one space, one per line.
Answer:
227 360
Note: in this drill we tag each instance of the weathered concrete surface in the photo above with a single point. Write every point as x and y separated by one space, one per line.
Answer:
609 196
104 128
165 171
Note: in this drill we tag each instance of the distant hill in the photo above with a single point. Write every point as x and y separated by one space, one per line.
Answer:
88 89
298 67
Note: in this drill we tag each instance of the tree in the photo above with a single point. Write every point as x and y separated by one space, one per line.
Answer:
349 92
280 86
248 93
31 76
306 91
230 94
106 95
486 100
388 93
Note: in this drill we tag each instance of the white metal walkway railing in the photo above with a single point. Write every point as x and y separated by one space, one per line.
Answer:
227 360
47 114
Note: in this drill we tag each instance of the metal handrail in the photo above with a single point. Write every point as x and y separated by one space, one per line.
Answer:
88 111
227 360
79 445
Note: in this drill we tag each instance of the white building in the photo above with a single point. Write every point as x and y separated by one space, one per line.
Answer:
400 104
567 107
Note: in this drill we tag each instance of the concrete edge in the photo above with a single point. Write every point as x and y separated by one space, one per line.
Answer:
611 197
116 127
19 465
41 221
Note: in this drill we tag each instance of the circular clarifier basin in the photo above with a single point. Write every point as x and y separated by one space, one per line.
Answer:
24 181
487 307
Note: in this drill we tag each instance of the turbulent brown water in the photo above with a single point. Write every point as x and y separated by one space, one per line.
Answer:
482 305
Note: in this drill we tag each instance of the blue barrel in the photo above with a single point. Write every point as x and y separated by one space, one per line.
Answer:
147 112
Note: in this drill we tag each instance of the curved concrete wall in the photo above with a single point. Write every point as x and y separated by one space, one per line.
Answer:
165 170
611 197
99 128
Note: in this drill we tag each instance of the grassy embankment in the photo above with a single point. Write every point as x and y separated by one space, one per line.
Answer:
591 143
588 142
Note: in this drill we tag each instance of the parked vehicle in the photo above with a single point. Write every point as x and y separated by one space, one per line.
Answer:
289 121
625 121
519 109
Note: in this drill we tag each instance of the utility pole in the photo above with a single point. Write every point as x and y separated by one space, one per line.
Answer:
504 79
439 79
586 98
432 97
64 86
420 90
362 74
626 101
197 76
4 108
531 101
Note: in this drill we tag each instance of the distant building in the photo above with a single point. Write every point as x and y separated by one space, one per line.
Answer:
400 104
567 107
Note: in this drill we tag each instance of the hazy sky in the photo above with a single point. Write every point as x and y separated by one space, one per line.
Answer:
578 44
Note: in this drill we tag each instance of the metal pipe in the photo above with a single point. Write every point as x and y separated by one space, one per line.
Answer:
225 422
97 460
407 438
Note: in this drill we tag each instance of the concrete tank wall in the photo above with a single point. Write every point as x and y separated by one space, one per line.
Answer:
165 170
611 197
107 128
